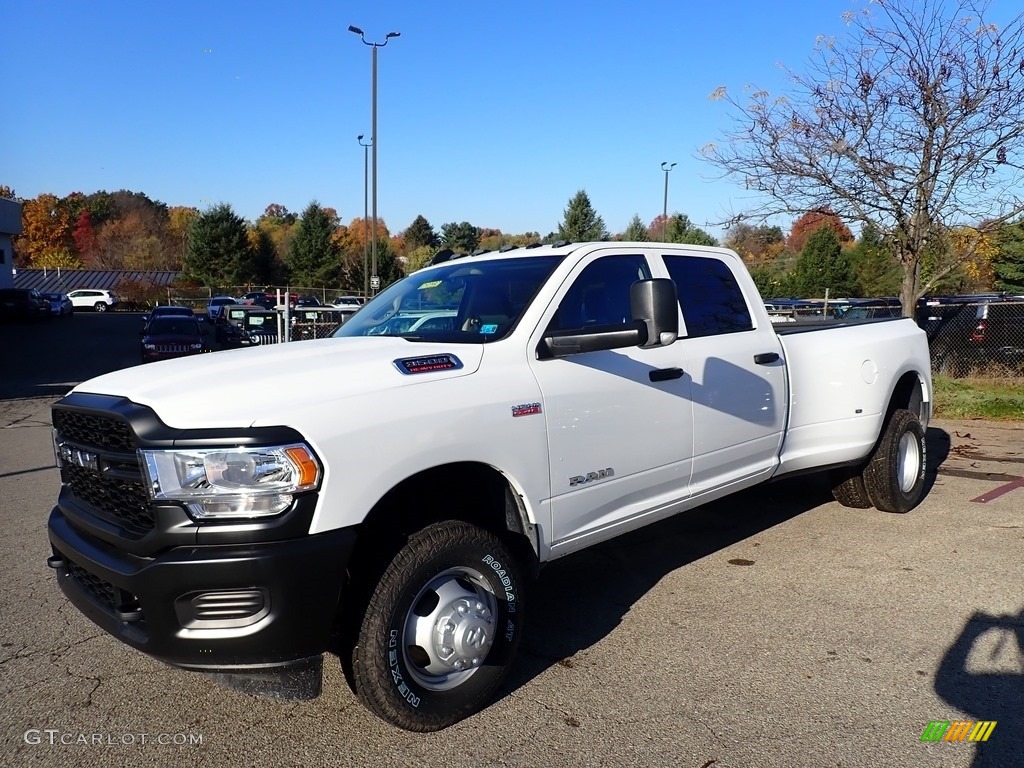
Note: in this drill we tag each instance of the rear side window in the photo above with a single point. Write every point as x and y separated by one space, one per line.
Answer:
709 296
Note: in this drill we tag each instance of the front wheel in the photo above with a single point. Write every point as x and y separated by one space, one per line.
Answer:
440 629
101 307
894 477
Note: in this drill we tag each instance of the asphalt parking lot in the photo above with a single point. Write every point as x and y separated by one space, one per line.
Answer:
775 628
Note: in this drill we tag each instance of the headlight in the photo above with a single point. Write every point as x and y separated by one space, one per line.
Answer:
241 482
195 346
149 346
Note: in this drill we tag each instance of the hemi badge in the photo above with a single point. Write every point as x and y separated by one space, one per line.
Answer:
429 363
527 409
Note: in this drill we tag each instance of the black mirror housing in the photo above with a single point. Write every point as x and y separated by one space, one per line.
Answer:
654 303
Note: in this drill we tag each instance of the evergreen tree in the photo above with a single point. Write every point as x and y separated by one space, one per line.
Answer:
636 232
218 247
874 265
581 222
462 237
823 265
313 257
1008 265
682 230
420 234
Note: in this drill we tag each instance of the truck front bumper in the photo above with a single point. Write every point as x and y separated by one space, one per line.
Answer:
264 611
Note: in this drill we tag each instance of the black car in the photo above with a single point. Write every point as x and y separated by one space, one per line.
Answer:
23 304
972 332
170 336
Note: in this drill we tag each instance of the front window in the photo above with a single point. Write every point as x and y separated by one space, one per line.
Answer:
464 301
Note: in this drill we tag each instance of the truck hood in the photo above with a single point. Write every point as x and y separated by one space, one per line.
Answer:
259 385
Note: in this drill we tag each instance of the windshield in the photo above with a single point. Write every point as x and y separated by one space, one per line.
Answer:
168 325
462 301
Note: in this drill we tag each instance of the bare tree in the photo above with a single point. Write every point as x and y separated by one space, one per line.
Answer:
910 122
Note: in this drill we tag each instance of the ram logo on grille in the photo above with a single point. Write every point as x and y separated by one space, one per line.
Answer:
77 457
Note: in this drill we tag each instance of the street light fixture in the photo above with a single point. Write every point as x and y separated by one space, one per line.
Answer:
666 167
373 130
366 216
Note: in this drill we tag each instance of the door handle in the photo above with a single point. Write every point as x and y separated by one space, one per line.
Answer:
766 358
666 374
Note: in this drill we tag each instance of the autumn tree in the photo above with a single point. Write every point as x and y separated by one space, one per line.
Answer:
823 266
911 120
580 221
179 220
756 243
313 258
46 228
636 230
218 247
84 237
810 221
460 237
420 233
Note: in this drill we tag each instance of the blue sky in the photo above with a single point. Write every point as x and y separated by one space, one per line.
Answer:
492 113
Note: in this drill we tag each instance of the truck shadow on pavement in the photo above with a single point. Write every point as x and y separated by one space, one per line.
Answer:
578 600
982 674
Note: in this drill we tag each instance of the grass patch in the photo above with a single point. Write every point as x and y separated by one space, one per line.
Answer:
994 399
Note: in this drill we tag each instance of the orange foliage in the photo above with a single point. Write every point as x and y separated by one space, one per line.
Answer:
811 221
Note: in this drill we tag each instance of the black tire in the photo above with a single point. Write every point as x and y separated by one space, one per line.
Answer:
101 307
440 629
848 487
894 477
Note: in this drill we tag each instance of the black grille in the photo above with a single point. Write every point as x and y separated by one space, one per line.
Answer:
102 591
121 501
106 432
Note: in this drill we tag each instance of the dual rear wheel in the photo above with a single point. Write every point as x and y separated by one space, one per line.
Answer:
892 480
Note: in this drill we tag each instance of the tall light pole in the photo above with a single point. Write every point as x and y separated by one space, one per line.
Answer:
374 138
366 235
666 167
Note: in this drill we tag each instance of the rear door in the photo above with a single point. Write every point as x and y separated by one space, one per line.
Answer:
738 375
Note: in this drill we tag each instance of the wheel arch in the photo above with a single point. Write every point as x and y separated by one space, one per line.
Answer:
474 492
910 393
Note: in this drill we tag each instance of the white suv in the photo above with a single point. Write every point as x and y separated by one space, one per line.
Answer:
95 298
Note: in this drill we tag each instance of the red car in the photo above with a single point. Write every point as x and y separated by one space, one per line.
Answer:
170 336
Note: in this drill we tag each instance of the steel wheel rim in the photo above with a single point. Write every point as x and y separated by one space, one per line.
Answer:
908 462
449 629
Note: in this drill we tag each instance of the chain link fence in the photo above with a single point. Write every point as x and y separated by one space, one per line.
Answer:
981 338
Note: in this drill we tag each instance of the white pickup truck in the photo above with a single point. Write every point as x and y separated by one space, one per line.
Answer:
226 515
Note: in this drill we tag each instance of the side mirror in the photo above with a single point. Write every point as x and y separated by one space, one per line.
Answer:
655 311
655 304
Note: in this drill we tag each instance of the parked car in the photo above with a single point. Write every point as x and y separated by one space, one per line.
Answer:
870 309
349 300
972 334
259 298
170 336
168 310
214 309
23 304
60 304
98 299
